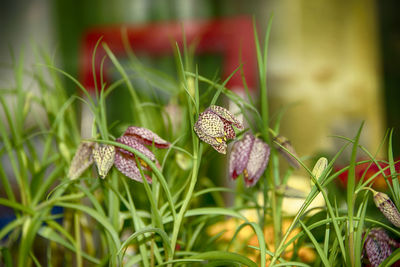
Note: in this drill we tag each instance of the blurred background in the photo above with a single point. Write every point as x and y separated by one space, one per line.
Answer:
336 63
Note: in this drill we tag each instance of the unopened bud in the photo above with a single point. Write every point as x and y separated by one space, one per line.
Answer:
290 157
319 168
387 207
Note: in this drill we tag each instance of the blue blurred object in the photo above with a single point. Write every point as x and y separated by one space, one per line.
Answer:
7 215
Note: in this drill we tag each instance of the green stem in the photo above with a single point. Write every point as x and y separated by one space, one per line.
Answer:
78 239
181 214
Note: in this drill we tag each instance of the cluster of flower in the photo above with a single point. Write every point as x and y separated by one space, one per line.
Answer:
106 156
249 156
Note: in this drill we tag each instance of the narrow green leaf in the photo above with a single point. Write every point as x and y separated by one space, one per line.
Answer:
50 234
395 180
98 217
350 195
392 259
225 256
315 243
162 234
260 237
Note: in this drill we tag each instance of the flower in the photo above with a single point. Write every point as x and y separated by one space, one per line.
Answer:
378 245
106 156
250 157
214 127
81 160
136 138
387 207
284 142
103 156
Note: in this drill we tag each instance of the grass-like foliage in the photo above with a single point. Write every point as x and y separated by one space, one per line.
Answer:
175 211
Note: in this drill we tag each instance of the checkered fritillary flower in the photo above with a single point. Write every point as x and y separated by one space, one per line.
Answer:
214 127
249 157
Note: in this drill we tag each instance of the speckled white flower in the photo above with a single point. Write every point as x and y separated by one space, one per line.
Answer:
82 160
249 156
214 127
104 156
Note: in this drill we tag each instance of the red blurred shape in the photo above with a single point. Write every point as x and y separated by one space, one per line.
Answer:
233 38
379 182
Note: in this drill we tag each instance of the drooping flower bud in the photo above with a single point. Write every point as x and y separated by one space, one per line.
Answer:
250 157
387 207
104 156
284 142
81 160
214 127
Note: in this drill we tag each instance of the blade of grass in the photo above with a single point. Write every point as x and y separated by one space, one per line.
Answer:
315 243
52 235
351 196
98 217
359 229
224 255
260 237
137 224
138 112
395 180
161 233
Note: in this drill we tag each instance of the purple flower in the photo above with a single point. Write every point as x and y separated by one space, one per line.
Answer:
250 157
137 138
214 127
378 246
105 156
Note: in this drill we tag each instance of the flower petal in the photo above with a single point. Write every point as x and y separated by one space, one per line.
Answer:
240 155
104 156
126 164
221 148
377 246
258 160
227 115
147 137
81 160
207 139
135 144
229 132
209 124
